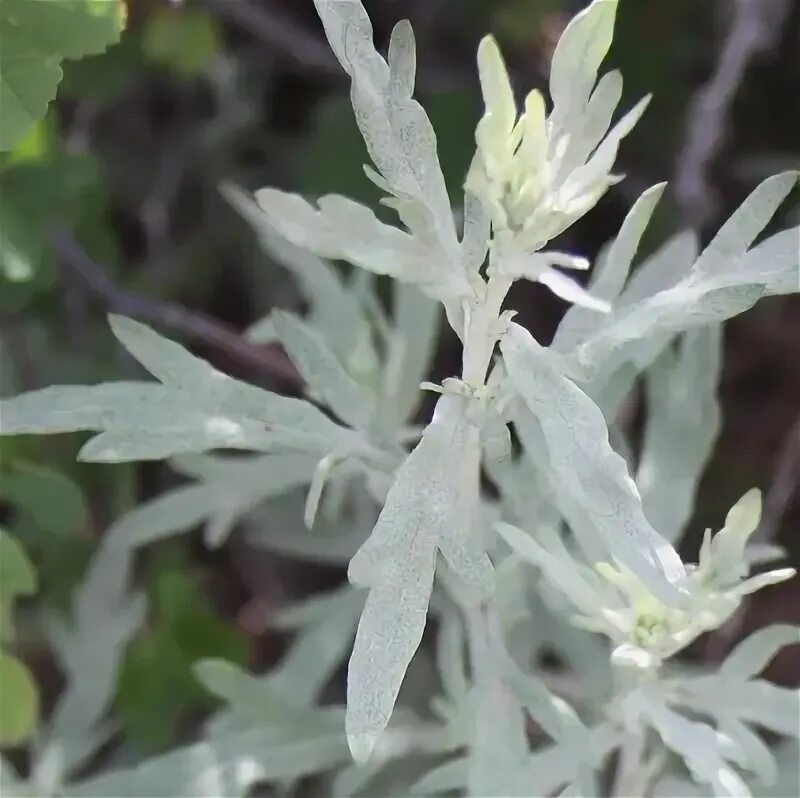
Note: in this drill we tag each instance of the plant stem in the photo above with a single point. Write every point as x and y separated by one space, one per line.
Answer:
627 783
482 327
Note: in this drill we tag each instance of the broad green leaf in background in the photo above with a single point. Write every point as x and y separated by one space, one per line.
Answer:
36 37
76 196
156 685
52 501
17 578
19 701
182 39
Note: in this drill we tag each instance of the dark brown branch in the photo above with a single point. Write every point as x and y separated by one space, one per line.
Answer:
268 363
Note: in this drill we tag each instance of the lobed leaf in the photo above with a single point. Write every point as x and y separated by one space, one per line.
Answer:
723 282
399 137
430 505
195 409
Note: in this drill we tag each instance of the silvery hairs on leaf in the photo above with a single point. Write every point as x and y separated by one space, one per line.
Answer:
591 480
431 506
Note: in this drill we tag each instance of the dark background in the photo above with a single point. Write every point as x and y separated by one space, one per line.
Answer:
119 187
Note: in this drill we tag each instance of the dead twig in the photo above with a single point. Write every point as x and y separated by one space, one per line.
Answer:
279 31
266 362
785 482
755 26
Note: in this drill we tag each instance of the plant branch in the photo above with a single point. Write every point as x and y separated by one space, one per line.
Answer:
266 362
276 29
755 26
783 486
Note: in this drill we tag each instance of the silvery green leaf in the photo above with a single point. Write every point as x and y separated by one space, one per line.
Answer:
667 266
66 408
593 125
388 634
429 506
498 749
334 308
549 767
699 745
754 653
262 331
398 134
403 60
450 776
671 786
571 291
278 526
658 272
553 767
496 439
224 765
756 701
585 654
725 554
497 742
195 409
683 420
343 229
756 752
10 783
450 658
714 290
737 234
187 435
787 781
323 372
596 171
261 700
477 232
325 626
580 51
591 479
228 489
563 571
610 272
90 646
556 717
410 350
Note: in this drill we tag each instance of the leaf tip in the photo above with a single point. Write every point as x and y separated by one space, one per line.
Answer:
361 745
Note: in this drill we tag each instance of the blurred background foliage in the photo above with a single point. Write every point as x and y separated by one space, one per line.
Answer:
115 193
